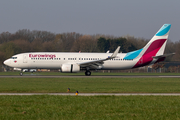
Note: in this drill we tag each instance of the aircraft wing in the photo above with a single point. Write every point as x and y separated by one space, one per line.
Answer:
98 63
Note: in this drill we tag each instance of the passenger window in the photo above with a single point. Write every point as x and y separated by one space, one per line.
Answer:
13 57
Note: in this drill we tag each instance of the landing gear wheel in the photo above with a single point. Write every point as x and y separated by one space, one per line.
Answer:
87 73
21 74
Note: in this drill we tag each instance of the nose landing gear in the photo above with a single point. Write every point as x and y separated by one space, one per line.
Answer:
21 73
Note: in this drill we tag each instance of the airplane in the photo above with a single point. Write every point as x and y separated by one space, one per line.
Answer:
151 53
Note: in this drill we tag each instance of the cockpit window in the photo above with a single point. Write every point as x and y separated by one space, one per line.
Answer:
13 57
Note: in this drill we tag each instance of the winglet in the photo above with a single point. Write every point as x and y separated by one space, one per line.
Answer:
115 52
107 51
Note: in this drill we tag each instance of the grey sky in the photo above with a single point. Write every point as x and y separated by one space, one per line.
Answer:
138 18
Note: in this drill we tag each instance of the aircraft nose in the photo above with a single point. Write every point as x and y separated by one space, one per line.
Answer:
7 62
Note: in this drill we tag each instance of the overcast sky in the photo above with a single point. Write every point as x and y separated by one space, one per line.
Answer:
138 18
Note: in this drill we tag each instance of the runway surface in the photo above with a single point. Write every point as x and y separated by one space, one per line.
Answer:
95 94
79 76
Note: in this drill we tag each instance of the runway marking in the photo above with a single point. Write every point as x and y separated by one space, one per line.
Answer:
94 94
170 76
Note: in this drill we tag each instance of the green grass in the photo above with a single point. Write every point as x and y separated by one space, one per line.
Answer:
47 107
90 85
82 73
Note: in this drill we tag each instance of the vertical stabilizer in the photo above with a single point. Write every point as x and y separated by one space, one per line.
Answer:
155 47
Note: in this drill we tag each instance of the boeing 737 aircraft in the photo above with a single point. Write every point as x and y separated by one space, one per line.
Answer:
152 52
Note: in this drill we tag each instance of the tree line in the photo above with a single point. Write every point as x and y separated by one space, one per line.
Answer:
44 41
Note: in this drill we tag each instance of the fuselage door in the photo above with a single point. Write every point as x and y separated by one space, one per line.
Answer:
25 60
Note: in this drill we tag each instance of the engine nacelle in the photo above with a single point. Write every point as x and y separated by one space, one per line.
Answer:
70 68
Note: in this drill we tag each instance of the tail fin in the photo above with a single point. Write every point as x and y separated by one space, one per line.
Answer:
155 47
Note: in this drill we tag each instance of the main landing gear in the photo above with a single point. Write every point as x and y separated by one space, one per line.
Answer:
21 74
88 73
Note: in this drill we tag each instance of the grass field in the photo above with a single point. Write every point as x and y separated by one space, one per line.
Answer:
90 85
88 108
47 107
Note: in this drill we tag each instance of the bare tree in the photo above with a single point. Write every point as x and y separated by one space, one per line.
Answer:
85 43
5 37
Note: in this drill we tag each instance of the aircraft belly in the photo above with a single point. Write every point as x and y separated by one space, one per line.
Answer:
44 65
118 65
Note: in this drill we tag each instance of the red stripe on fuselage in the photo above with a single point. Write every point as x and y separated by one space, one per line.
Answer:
150 52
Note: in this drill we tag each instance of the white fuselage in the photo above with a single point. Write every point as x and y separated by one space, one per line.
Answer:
54 60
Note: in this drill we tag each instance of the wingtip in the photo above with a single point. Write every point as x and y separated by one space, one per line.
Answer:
115 52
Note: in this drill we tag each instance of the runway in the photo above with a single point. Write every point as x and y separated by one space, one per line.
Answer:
83 76
94 94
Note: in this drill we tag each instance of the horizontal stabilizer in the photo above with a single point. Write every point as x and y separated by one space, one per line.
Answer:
165 55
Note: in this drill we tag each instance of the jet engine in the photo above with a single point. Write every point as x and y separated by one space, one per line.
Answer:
70 68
